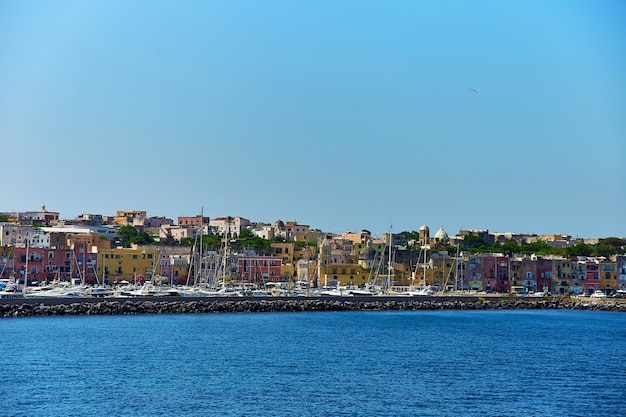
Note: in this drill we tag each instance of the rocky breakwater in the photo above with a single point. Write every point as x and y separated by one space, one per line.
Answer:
241 305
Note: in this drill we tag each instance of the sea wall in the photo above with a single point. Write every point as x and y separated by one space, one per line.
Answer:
219 305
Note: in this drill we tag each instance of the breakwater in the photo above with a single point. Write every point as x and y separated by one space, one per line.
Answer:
182 305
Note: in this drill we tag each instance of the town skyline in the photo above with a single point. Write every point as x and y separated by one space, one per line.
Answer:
134 247
432 227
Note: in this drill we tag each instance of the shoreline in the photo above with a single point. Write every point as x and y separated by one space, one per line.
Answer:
192 305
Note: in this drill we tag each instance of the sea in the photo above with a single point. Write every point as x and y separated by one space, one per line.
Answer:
376 363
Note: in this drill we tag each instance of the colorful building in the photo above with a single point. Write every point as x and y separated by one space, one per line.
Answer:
259 269
562 283
544 274
592 272
495 273
132 265
608 276
620 266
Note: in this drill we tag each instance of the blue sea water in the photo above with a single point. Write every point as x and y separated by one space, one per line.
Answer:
422 363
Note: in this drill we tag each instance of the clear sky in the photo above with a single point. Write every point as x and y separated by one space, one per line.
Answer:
344 115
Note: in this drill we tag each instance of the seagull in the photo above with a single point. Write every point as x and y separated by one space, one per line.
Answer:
475 90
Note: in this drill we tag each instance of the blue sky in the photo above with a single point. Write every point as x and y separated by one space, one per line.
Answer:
344 115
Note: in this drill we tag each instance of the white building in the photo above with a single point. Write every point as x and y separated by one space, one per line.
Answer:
231 226
108 232
289 229
13 235
264 231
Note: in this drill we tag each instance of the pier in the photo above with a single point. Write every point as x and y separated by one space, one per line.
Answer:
188 305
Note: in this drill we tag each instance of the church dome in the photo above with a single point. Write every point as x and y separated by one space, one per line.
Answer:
424 228
367 253
441 235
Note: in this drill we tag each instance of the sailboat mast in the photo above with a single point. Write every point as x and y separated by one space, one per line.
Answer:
425 253
456 281
26 266
84 277
389 270
201 260
103 268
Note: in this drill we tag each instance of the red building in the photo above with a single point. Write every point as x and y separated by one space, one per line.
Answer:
193 221
544 275
46 264
593 276
259 269
495 273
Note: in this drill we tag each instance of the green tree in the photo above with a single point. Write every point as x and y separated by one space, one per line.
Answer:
246 234
4 218
474 243
142 238
213 241
247 238
510 247
412 235
169 240
579 249
186 241
539 247
610 246
126 234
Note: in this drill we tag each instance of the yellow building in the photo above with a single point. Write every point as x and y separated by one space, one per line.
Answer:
608 276
343 275
7 261
310 236
442 273
361 237
285 251
336 268
127 264
516 276
90 240
290 253
562 276
403 274
129 217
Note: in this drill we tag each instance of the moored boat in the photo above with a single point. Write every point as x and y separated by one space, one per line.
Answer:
598 294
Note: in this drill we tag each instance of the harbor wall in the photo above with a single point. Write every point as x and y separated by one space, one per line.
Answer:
189 305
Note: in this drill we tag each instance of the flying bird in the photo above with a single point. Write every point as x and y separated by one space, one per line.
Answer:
475 90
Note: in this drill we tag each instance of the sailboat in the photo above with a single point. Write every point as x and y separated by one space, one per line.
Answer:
9 288
210 270
424 289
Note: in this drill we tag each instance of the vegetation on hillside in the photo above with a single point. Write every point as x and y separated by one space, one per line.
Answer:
129 234
605 247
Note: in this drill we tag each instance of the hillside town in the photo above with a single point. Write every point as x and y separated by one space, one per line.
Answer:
131 249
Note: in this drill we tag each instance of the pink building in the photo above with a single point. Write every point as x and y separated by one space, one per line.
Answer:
592 282
544 274
529 275
495 273
54 264
193 221
259 269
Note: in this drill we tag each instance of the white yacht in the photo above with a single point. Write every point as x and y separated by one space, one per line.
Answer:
598 294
